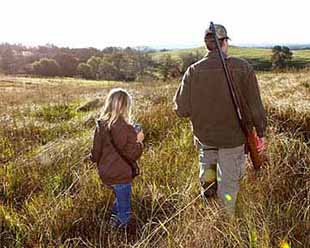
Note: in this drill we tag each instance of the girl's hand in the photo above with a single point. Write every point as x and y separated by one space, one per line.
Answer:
140 137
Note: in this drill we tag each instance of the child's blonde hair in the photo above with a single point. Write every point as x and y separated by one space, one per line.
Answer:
117 104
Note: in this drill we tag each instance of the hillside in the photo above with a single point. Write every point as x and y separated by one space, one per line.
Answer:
259 57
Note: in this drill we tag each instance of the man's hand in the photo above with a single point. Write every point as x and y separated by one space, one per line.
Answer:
261 144
140 137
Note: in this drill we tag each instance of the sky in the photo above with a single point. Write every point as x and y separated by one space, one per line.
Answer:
159 23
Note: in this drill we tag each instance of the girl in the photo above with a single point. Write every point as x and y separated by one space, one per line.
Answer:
116 144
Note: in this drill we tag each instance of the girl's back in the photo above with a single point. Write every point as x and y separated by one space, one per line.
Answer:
112 147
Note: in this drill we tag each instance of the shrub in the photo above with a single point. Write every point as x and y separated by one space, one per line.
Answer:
46 67
84 70
189 58
281 56
67 63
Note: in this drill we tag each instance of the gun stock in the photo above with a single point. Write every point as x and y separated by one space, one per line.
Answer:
255 156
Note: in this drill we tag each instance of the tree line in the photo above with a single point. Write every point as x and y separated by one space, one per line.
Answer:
111 63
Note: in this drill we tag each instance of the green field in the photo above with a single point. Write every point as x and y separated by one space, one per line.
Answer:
51 195
258 56
234 51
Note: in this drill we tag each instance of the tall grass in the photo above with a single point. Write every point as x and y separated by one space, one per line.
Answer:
51 195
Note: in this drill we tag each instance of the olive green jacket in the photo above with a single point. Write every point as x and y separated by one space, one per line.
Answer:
204 97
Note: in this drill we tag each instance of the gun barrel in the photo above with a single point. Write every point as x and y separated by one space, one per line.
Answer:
250 134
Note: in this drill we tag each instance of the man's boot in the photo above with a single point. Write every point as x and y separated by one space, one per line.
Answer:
209 189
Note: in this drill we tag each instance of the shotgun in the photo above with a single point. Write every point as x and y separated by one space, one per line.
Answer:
250 134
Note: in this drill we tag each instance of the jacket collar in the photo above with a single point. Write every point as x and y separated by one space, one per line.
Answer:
215 54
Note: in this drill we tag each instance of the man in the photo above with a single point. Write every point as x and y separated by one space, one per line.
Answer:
204 97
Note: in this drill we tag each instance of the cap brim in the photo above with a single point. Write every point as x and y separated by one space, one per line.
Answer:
210 32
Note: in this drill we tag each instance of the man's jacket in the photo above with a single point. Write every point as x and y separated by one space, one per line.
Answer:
204 97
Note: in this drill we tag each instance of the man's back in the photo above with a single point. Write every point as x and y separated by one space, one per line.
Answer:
204 97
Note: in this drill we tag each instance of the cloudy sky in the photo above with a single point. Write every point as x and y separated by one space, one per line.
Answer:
160 23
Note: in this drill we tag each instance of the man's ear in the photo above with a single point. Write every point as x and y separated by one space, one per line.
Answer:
225 42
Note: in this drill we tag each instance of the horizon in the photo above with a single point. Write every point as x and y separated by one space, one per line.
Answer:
292 46
162 24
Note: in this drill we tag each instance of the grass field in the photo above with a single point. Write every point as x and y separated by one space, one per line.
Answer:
51 196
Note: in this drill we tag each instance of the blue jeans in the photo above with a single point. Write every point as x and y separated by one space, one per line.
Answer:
121 210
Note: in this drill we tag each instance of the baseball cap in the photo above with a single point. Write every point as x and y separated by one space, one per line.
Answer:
220 30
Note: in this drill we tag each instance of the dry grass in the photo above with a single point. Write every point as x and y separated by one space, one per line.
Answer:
50 196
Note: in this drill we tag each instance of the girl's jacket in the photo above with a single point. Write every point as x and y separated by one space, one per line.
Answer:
112 167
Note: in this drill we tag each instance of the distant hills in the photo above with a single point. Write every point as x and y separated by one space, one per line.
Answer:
245 45
266 45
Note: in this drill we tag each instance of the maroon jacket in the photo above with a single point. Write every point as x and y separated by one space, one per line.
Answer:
112 167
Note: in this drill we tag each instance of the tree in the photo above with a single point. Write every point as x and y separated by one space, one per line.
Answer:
169 67
108 71
94 63
281 56
46 67
7 58
68 64
189 58
125 65
85 71
143 62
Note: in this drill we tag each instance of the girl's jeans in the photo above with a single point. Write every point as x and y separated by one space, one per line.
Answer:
121 210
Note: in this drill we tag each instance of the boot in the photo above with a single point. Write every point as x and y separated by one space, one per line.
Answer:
131 229
208 191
